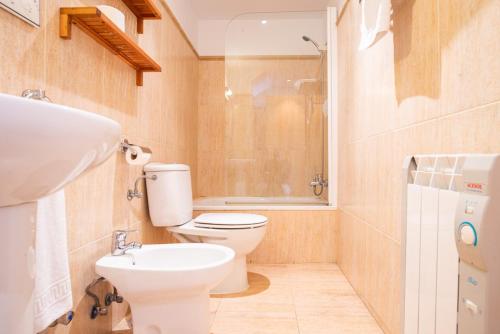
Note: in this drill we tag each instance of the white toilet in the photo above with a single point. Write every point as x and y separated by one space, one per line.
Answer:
170 203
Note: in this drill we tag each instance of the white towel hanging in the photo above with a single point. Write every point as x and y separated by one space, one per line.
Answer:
375 21
52 296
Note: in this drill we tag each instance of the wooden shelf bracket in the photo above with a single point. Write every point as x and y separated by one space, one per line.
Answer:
143 10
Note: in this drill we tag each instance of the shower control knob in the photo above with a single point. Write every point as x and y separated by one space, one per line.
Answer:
468 234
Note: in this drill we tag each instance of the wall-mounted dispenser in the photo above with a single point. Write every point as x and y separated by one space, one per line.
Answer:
448 197
134 154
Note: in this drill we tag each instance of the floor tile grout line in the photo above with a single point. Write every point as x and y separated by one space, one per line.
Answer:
295 309
295 283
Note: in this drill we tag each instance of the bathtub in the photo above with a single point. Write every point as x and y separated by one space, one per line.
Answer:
260 203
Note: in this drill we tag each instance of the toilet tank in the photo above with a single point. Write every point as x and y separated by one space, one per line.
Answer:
170 197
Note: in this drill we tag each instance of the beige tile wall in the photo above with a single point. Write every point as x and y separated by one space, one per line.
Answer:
429 86
297 237
259 144
161 114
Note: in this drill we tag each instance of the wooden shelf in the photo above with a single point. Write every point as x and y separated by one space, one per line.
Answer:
143 10
105 32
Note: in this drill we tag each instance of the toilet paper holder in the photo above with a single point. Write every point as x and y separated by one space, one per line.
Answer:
125 145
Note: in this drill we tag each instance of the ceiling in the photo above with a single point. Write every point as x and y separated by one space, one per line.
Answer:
228 9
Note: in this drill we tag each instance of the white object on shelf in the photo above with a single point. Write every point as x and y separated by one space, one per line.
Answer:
114 15
27 10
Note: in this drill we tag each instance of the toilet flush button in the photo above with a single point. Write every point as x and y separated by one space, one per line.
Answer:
471 306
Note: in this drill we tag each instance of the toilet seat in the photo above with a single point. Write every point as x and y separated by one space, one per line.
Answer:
226 221
220 224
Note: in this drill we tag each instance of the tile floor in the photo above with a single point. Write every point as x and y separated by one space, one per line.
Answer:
293 299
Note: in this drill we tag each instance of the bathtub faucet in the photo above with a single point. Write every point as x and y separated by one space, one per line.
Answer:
318 183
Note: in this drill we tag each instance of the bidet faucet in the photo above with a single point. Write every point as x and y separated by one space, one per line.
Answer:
120 246
35 94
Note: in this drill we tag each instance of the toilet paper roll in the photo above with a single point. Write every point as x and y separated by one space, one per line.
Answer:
114 14
136 156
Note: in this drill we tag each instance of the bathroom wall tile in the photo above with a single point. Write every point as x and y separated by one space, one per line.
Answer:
82 263
22 66
416 61
89 213
472 131
211 114
241 176
123 214
352 250
73 76
212 176
211 82
383 268
211 126
298 237
470 44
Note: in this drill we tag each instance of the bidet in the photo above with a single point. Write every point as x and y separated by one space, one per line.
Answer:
167 286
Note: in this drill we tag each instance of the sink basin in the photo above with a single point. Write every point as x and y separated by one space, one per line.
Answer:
168 285
45 146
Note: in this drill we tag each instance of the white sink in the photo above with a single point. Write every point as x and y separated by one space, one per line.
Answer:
168 285
45 146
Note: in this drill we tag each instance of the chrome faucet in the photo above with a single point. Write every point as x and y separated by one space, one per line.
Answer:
35 94
318 182
131 193
120 246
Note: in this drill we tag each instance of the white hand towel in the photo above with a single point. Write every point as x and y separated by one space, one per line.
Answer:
375 21
52 296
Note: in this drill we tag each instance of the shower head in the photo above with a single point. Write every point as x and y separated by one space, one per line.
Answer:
309 39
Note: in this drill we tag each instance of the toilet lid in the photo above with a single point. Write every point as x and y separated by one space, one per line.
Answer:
229 220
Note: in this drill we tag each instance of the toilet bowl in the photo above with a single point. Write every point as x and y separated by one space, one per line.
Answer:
171 206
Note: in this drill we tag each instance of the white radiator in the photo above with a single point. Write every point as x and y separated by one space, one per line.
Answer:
430 259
